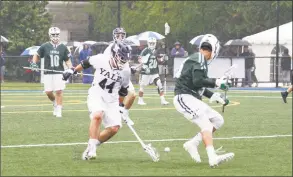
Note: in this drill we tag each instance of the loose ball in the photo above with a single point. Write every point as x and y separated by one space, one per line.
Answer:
167 149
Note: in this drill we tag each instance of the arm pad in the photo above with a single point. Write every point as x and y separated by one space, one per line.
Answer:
85 64
207 93
123 91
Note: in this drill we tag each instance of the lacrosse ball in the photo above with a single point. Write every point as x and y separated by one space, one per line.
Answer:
167 149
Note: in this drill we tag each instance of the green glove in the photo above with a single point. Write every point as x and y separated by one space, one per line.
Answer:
226 102
34 66
223 84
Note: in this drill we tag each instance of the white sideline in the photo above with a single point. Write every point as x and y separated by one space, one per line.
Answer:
162 140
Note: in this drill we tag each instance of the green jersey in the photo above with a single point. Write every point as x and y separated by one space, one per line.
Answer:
54 56
192 76
150 63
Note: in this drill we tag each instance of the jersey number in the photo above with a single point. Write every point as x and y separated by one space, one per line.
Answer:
54 60
153 64
103 85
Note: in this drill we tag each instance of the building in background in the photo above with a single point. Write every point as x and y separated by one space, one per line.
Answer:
71 18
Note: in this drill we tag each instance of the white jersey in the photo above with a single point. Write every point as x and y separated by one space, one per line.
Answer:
107 80
108 49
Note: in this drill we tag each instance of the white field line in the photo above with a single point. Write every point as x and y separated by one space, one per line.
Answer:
118 142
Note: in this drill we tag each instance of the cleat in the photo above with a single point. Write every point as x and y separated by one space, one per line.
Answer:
218 159
192 150
89 155
284 96
54 110
164 102
141 102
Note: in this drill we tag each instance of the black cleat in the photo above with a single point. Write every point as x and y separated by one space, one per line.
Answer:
284 96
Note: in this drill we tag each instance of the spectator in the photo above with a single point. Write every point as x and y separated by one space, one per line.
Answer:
84 54
286 67
2 65
249 64
177 51
253 76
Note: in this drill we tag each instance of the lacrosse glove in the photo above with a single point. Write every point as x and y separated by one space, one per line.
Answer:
34 66
67 73
223 83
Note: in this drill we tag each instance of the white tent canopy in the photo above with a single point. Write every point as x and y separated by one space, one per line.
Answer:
269 36
263 44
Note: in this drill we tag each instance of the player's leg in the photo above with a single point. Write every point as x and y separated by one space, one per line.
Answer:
96 108
157 81
48 87
197 112
286 93
59 86
129 99
111 122
143 81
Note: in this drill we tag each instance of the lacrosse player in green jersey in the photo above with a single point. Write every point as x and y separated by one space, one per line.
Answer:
54 54
150 71
191 83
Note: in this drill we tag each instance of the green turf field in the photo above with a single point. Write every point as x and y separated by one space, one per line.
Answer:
252 119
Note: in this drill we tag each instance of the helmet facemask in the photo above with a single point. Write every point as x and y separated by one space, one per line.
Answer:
120 56
152 42
211 42
119 34
54 34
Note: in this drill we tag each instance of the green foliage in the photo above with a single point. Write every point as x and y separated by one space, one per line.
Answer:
24 23
226 19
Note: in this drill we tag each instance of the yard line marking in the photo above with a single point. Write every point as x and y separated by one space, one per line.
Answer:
2 107
233 103
161 140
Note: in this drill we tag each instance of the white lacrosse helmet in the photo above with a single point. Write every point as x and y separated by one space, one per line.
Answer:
54 34
152 43
211 42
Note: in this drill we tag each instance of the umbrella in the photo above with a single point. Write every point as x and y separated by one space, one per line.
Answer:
30 51
237 42
90 43
4 39
73 43
145 35
196 40
132 40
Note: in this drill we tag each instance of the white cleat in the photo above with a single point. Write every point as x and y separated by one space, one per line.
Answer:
218 159
55 110
192 150
59 114
164 102
140 102
89 154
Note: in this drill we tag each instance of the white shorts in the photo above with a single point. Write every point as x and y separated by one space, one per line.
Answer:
146 80
53 82
198 112
112 115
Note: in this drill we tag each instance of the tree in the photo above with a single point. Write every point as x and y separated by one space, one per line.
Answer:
24 23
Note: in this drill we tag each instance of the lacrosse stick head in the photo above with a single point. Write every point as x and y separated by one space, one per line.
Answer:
230 72
152 152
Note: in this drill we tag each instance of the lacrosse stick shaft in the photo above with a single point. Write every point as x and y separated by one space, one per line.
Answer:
165 81
53 71
136 135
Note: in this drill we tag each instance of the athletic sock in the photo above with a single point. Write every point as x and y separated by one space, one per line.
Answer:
211 151
162 98
197 139
94 142
54 103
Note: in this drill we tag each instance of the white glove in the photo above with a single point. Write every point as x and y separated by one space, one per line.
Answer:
219 98
223 84
125 116
252 69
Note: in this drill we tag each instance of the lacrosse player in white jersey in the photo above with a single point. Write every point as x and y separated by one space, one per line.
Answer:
191 81
110 82
119 35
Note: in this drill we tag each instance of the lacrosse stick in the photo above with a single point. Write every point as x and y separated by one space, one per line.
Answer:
33 69
151 151
228 75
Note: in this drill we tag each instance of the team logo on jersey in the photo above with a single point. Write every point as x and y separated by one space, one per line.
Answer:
113 76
